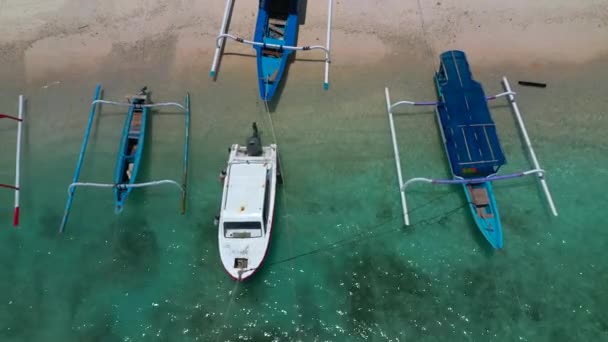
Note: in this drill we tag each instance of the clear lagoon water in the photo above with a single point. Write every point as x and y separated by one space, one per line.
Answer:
342 266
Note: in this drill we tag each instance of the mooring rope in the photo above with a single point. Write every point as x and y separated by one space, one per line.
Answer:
429 48
284 197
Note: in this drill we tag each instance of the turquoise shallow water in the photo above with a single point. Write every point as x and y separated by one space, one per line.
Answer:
341 267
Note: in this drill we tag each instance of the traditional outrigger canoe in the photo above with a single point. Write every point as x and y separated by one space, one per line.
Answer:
17 186
471 143
277 24
247 209
130 152
131 147
274 41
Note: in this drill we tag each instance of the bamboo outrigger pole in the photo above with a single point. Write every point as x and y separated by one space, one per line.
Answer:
83 150
389 109
18 162
186 152
17 186
219 47
524 133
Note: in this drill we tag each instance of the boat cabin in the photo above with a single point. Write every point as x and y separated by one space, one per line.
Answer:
245 209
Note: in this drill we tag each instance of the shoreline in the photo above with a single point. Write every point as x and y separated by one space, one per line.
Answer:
54 38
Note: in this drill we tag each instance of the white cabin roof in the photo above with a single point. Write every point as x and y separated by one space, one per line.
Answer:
245 192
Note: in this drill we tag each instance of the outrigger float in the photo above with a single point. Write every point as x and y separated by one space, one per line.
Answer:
471 143
130 151
17 186
247 209
274 41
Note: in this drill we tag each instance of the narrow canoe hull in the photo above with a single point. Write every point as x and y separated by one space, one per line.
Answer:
130 153
469 138
276 24
482 204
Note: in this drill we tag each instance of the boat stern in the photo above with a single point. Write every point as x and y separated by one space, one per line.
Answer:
482 203
240 259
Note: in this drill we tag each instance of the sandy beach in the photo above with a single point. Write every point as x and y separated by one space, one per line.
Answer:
63 37
342 267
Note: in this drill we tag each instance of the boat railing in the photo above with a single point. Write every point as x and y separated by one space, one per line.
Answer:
537 170
223 35
17 186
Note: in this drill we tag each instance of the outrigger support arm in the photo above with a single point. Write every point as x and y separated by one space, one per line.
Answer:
220 46
73 186
524 133
223 35
153 105
435 103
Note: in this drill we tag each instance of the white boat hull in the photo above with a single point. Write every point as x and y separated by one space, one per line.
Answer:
247 211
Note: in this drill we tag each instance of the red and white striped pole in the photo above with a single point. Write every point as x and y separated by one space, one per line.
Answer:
16 187
18 162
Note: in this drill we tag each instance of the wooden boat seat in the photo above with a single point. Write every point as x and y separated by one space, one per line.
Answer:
272 52
275 21
135 127
279 30
479 196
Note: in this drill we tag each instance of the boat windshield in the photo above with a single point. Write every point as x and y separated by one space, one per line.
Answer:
241 230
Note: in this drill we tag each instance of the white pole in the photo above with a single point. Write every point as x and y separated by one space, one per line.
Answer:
406 217
219 47
522 128
18 162
328 42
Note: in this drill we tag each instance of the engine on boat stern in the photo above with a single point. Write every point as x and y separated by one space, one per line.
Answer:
254 143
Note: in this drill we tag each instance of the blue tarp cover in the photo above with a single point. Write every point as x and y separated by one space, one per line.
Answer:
470 135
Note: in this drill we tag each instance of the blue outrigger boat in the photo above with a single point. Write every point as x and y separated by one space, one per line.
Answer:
469 136
130 151
277 24
274 41
471 142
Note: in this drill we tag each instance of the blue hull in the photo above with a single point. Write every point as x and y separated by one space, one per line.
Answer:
470 140
129 153
486 217
277 23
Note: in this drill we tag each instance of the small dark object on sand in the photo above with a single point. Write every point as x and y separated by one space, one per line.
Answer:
533 84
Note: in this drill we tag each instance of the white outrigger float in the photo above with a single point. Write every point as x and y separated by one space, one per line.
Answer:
247 209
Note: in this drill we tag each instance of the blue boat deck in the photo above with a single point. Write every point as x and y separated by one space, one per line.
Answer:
471 140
